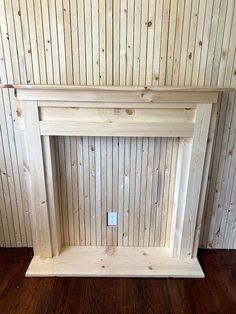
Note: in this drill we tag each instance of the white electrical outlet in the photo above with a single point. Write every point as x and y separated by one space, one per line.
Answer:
112 219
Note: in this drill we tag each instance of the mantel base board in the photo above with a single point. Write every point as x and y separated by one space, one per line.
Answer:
95 261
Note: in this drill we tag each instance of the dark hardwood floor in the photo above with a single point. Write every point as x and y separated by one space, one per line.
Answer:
214 294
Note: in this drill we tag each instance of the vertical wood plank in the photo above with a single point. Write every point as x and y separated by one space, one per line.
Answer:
155 190
137 24
205 180
63 191
194 183
81 191
109 187
115 185
137 190
98 191
75 189
133 158
48 146
92 189
121 191
104 188
126 209
148 205
40 204
143 191
87 212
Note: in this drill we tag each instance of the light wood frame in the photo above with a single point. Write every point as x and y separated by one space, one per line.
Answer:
47 111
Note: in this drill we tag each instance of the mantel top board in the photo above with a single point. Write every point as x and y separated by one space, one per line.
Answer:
125 94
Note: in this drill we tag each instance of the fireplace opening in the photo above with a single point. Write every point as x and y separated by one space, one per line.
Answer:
131 176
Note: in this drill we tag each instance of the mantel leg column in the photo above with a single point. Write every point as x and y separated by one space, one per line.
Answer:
189 187
39 205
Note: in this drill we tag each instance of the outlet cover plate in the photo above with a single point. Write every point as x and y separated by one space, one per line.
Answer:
112 218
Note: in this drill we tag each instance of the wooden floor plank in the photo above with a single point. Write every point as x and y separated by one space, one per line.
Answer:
127 295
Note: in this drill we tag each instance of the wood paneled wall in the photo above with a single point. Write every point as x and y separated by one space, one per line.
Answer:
119 42
219 225
131 176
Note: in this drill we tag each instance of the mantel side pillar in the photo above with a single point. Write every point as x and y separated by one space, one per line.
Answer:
189 185
39 211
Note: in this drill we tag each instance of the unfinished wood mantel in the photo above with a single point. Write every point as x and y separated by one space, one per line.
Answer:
48 111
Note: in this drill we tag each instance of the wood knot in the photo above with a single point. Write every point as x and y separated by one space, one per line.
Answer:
200 43
149 23
190 55
110 250
224 54
129 111
18 113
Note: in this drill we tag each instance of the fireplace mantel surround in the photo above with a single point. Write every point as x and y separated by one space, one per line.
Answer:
46 111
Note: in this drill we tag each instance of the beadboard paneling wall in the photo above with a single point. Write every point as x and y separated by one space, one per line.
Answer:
131 176
14 180
119 42
219 224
